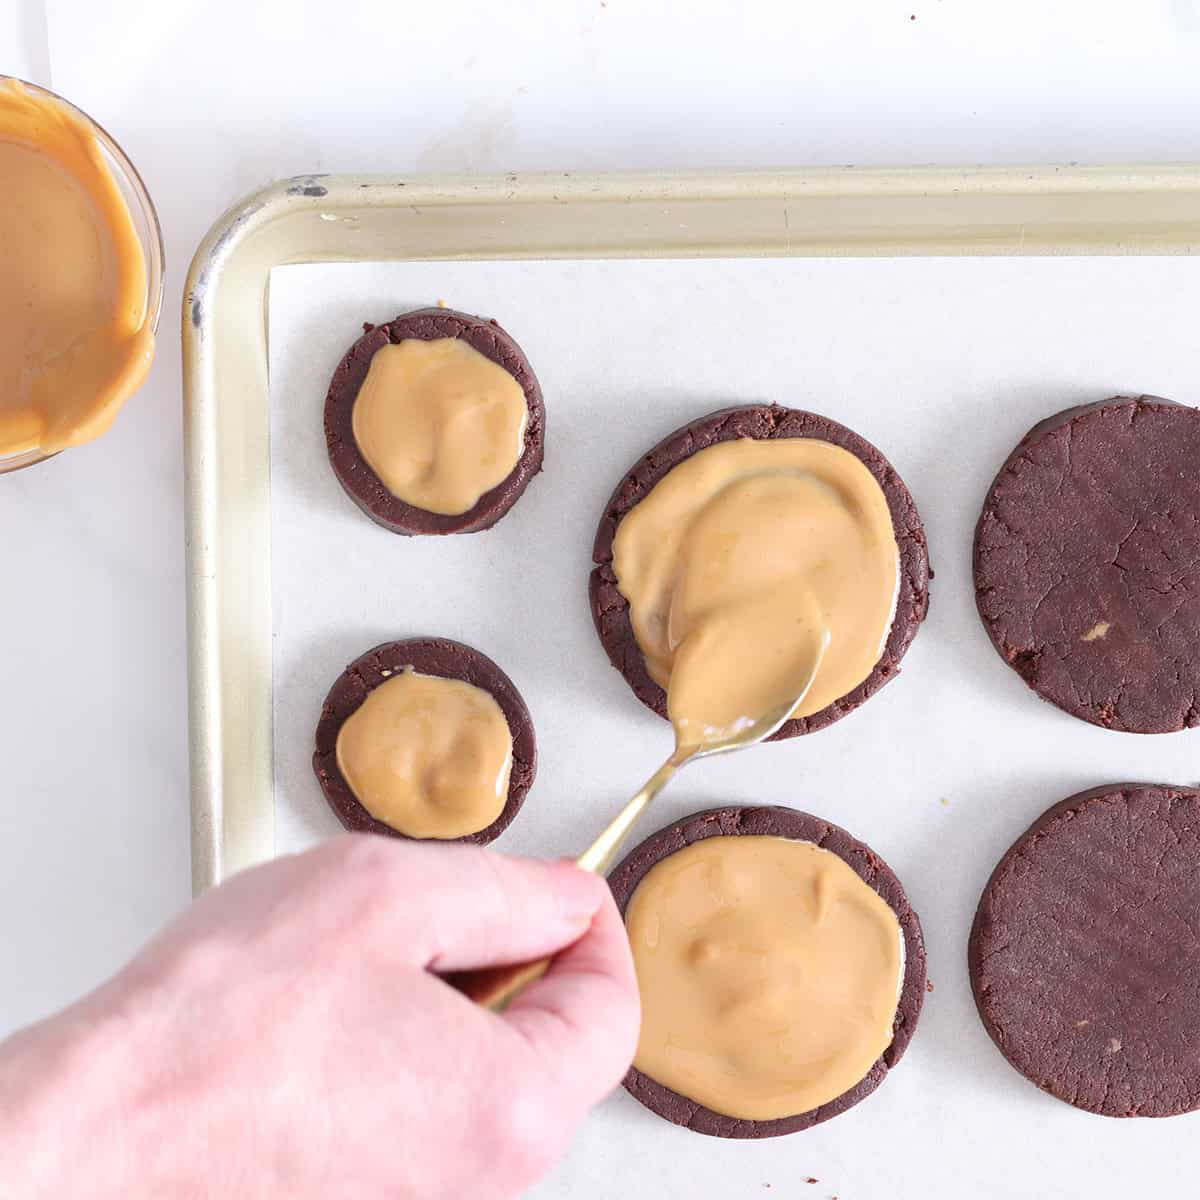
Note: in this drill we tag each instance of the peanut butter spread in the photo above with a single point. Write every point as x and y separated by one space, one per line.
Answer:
428 756
75 340
769 974
439 423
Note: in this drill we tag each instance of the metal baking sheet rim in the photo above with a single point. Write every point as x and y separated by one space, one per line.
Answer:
846 211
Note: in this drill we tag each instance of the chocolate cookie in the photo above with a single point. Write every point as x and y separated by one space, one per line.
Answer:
1087 563
610 609
799 826
429 656
362 484
1085 952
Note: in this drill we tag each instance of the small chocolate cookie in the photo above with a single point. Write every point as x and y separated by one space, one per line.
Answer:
1087 563
429 656
1085 952
364 487
610 609
801 827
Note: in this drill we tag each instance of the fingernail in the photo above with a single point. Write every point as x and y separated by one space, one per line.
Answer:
578 894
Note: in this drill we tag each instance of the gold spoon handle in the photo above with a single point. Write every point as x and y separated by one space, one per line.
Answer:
496 987
602 853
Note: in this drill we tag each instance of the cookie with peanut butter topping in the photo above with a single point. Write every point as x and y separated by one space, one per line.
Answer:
743 537
781 970
425 739
434 423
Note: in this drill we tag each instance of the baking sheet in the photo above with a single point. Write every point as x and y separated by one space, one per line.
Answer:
943 363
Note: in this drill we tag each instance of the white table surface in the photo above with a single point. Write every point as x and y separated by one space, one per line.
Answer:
212 99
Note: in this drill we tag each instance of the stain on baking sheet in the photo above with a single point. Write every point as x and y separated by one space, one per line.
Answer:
307 185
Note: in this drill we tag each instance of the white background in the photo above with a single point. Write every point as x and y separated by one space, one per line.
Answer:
214 98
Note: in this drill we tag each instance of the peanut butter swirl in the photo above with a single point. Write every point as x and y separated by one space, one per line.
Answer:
439 423
428 756
740 562
769 973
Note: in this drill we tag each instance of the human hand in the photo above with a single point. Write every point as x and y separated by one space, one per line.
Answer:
287 1036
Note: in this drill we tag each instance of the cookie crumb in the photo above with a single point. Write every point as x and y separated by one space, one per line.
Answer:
810 1179
1097 631
929 985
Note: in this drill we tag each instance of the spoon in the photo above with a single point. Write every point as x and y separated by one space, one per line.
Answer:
496 987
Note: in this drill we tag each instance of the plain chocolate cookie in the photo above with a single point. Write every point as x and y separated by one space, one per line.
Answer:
1087 563
610 609
429 656
364 487
799 826
1085 952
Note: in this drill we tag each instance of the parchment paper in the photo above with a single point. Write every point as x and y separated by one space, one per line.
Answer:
944 364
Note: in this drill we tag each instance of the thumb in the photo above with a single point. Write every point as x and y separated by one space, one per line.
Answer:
582 1017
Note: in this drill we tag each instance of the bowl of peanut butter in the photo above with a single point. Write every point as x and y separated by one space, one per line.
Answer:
81 287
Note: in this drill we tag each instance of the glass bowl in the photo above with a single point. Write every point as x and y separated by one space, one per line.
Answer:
145 222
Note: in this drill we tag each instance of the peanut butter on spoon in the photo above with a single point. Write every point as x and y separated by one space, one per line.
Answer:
721 684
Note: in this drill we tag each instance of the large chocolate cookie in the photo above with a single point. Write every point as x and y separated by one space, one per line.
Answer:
429 656
1087 563
610 609
364 487
1085 952
799 826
